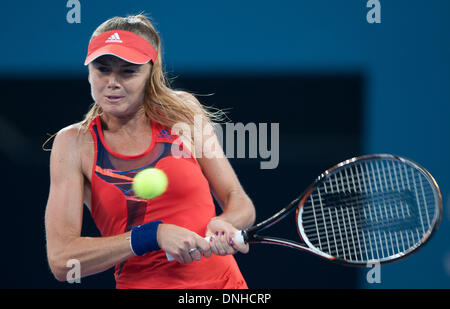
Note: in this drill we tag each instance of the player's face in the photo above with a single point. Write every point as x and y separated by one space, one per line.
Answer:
117 85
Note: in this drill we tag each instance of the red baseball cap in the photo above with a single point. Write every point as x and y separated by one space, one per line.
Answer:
123 44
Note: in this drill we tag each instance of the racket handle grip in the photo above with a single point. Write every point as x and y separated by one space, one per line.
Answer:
238 238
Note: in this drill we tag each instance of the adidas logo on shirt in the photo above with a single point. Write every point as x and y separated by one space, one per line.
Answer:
115 38
165 134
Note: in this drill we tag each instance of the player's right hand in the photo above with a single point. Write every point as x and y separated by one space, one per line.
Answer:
178 242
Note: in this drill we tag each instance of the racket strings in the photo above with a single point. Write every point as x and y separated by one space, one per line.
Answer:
358 252
372 209
386 199
388 212
392 215
382 244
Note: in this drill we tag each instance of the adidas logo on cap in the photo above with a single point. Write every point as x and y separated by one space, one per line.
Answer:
115 38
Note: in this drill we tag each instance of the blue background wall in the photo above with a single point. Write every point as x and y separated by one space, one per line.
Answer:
405 61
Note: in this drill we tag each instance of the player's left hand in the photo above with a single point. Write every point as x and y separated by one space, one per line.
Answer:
222 237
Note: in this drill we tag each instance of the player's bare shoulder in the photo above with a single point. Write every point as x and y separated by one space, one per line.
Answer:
74 143
72 137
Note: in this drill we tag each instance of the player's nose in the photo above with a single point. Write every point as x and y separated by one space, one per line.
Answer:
113 81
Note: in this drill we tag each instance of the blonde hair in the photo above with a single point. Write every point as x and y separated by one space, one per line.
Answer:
161 103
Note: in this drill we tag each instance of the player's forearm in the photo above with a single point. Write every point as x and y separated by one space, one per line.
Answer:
95 254
239 210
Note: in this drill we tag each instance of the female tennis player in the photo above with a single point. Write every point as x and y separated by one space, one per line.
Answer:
127 129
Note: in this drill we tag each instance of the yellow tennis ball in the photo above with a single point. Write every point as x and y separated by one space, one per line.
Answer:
150 183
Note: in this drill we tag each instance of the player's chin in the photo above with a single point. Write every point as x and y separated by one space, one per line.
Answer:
121 109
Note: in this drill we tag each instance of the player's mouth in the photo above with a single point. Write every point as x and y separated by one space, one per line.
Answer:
113 98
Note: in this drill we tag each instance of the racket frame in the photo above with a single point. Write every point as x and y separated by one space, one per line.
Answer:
249 235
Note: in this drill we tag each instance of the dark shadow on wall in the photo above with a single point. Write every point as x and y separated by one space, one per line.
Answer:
319 119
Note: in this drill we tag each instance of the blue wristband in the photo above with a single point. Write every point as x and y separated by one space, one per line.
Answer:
143 238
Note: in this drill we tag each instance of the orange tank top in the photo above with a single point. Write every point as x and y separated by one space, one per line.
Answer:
187 202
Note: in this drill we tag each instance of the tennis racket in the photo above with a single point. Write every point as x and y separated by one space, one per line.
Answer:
369 209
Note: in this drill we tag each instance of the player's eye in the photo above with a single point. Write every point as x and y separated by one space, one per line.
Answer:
104 69
129 71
